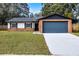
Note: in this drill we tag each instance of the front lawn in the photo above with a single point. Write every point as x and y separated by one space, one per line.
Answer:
22 43
76 33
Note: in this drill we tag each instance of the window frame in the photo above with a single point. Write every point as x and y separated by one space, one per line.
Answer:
28 23
13 25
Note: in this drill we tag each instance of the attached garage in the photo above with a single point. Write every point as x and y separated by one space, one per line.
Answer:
55 24
56 27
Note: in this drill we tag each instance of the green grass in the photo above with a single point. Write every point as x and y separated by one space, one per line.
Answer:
76 33
22 43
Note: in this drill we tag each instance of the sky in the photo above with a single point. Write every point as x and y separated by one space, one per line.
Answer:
35 7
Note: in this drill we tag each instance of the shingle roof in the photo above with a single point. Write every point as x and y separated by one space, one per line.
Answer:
21 19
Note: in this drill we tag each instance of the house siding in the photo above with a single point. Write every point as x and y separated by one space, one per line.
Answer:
20 28
33 25
40 25
70 25
8 25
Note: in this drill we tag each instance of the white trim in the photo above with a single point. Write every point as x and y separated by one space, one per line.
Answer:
8 25
33 25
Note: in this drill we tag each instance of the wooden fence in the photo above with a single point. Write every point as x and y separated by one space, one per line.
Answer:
76 27
3 27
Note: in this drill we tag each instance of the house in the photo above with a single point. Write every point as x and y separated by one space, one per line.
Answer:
55 24
50 24
23 23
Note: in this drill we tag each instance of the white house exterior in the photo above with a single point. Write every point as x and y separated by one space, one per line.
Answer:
8 25
20 25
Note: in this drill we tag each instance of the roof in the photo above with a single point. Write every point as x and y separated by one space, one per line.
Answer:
21 19
44 17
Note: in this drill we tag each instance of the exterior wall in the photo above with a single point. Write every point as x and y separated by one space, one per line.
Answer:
41 24
20 27
70 25
33 25
8 25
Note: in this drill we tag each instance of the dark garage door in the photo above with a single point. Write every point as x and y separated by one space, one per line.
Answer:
55 27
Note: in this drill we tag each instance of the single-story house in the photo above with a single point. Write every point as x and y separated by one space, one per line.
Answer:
23 23
55 24
50 24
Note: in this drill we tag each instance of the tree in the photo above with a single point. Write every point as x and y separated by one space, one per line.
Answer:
23 10
10 10
31 15
58 8
76 11
37 15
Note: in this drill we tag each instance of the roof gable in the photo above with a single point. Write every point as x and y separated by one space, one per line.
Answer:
55 16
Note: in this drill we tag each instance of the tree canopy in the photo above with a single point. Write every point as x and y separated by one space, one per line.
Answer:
58 8
10 10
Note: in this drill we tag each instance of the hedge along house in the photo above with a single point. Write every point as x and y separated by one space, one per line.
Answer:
55 24
27 24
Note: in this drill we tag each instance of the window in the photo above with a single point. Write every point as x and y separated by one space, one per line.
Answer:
13 25
20 25
28 25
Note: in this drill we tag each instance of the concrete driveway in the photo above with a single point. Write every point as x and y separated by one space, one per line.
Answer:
62 44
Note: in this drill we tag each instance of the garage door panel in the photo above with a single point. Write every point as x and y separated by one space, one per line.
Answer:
55 27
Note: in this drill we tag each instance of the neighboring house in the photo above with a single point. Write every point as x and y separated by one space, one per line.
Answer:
21 24
55 24
50 24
